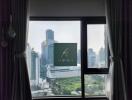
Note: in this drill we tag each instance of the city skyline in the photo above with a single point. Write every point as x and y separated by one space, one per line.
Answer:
65 32
41 65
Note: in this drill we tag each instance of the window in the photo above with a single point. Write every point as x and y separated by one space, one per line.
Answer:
64 58
95 85
52 46
94 57
96 46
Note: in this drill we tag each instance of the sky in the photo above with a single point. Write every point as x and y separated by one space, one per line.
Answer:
64 32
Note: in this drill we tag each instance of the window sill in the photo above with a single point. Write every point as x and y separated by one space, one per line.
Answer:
73 98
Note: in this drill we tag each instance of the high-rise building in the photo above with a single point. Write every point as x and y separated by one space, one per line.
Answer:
44 55
47 46
28 59
47 53
91 58
101 56
49 35
35 67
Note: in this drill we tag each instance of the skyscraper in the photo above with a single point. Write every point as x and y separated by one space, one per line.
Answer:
47 48
47 53
102 56
35 66
91 58
49 35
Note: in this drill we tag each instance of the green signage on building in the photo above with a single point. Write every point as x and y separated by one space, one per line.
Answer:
65 54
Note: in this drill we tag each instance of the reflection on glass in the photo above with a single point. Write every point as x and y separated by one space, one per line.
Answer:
45 78
95 85
96 45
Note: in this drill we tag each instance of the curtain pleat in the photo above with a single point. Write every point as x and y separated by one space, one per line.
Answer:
20 17
14 81
6 52
129 39
21 91
117 21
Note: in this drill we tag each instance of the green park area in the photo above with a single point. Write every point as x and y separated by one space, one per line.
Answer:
66 86
94 85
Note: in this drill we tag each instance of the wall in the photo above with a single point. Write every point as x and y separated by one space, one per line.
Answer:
67 8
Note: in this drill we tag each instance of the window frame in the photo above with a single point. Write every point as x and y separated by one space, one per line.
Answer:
83 39
86 21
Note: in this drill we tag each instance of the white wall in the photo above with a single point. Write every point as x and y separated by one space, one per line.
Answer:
67 8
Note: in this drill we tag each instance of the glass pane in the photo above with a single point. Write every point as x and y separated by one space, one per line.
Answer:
53 58
96 46
95 85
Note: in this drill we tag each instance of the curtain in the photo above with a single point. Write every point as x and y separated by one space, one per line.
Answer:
6 53
118 22
14 81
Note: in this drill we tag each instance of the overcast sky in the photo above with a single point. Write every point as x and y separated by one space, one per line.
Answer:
64 32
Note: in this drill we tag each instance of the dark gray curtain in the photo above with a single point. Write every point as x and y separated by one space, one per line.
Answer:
119 22
14 81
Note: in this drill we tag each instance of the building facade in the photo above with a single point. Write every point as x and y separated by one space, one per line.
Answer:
91 58
35 67
47 48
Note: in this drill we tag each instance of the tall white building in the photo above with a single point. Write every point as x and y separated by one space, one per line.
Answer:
35 67
28 59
